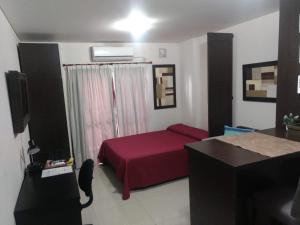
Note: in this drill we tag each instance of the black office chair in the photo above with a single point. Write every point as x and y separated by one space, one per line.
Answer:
280 206
85 181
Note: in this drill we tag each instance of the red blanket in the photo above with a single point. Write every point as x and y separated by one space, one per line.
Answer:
146 159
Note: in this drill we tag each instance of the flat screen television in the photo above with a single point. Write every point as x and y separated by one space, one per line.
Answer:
17 86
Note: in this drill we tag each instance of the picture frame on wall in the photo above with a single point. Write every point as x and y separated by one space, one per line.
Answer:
260 81
164 86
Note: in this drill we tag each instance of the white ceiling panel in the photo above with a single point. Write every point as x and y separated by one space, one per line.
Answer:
91 20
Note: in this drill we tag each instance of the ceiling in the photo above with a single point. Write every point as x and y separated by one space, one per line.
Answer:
91 20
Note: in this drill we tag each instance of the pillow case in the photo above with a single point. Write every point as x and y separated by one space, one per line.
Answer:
233 131
188 131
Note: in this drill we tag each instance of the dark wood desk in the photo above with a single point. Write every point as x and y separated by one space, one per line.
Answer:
48 201
223 177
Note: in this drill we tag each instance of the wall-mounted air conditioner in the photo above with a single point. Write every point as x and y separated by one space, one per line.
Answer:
110 54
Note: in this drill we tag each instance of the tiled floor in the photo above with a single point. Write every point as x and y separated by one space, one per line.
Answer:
165 204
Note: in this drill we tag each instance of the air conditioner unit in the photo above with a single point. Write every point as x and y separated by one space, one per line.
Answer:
110 54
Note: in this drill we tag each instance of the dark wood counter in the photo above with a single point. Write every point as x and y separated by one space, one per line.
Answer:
226 153
223 177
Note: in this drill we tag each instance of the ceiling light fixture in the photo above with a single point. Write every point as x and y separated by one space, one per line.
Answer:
136 23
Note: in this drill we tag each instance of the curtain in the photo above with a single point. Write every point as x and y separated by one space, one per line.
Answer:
75 114
89 92
104 102
131 98
98 109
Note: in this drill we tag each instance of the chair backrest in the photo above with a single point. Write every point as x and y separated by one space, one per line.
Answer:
295 211
85 180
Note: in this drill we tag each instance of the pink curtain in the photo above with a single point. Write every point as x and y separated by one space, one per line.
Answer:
97 106
131 98
90 109
104 102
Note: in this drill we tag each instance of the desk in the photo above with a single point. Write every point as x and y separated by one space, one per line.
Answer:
48 201
223 177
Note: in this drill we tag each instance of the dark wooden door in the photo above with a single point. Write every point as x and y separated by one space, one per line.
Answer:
48 124
219 52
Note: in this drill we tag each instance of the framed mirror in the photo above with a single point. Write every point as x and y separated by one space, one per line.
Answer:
164 86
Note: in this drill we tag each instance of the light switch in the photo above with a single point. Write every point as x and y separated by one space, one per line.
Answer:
298 91
162 52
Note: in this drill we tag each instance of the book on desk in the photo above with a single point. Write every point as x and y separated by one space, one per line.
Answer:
57 167
56 171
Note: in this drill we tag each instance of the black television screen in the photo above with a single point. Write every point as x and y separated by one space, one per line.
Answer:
17 87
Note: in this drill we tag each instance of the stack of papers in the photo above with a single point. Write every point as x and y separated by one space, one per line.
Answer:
56 171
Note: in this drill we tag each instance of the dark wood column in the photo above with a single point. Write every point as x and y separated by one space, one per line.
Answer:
219 50
288 60
48 124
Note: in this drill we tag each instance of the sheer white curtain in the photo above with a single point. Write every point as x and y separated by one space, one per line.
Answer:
104 102
131 86
98 107
74 78
90 108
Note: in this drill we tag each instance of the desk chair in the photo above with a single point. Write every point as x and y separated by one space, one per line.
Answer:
279 206
85 181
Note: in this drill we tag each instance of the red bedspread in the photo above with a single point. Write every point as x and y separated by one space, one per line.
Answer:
146 159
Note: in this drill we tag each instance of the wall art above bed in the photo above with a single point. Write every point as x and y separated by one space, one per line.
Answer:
260 81
164 86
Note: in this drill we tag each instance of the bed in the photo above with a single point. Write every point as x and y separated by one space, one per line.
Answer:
150 158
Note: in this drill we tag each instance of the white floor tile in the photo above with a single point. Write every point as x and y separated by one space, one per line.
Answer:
164 204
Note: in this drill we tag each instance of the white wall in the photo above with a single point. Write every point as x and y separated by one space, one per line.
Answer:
254 41
11 165
71 53
194 82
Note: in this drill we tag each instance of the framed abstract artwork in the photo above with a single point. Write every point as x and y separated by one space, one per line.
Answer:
260 81
164 86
